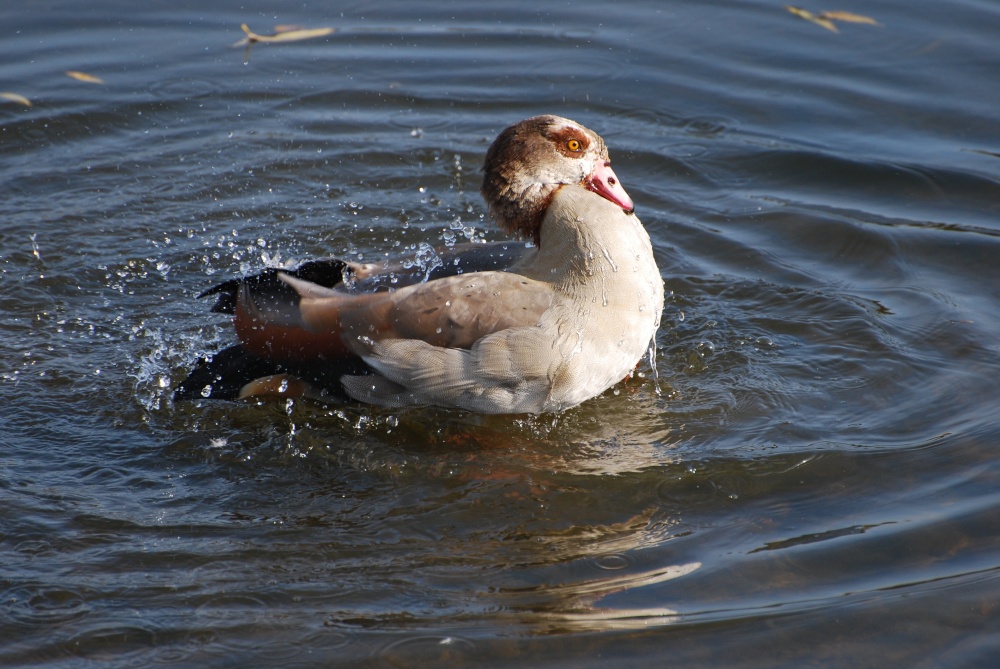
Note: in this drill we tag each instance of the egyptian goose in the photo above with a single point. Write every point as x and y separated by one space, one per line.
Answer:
540 328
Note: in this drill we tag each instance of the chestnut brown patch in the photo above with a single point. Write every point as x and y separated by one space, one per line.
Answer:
563 139
513 187
512 154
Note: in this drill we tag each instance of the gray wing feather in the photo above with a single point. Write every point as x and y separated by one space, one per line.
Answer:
502 373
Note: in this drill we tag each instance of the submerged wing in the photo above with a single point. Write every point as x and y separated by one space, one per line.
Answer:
234 372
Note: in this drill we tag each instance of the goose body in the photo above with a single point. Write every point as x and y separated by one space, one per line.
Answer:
540 329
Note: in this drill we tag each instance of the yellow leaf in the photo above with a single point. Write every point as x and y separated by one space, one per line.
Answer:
286 36
848 17
83 76
295 35
812 18
14 97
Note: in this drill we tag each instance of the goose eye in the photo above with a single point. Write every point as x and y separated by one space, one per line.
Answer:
574 145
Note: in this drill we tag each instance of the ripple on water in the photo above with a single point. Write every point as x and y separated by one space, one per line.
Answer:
113 643
280 651
687 150
35 547
708 126
613 561
686 492
234 624
224 607
567 71
422 120
39 603
174 654
580 34
186 88
697 487
427 651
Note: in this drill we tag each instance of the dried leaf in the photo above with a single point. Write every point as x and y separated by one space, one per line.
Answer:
848 17
83 76
14 97
992 154
285 36
296 35
812 18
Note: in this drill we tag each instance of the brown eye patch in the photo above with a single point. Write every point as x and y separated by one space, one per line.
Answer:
570 142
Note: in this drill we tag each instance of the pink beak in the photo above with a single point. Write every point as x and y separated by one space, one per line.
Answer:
604 182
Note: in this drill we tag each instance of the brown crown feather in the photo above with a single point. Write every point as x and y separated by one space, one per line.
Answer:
518 150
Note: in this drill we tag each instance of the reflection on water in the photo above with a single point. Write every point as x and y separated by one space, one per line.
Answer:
801 473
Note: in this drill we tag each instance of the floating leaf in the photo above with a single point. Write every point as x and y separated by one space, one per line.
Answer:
292 35
812 18
849 17
992 154
825 19
83 76
14 97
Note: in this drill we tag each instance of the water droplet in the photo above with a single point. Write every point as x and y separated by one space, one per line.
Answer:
607 256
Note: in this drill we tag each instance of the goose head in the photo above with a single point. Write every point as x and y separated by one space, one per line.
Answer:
530 161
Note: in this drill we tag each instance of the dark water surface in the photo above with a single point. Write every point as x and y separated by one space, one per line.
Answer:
814 485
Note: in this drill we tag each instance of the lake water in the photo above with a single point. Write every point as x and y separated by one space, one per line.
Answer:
804 475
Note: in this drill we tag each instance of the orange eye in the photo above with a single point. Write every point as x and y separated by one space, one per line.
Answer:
574 145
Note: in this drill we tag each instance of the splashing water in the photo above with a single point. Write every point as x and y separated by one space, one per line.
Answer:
651 355
426 259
